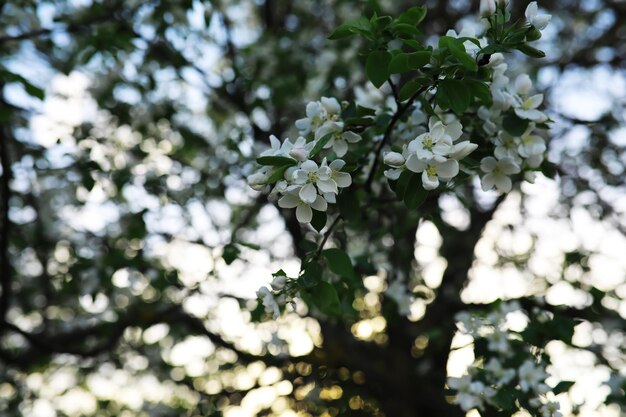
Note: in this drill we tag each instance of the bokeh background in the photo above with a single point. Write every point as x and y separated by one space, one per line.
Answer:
131 247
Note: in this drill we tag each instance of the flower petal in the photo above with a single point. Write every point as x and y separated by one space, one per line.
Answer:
343 179
304 214
327 186
430 183
340 147
308 193
288 201
414 164
488 164
320 204
448 169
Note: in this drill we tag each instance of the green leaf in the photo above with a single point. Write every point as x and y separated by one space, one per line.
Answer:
230 253
311 276
411 87
351 28
404 62
403 183
276 161
319 220
456 48
408 30
325 298
480 90
376 67
530 51
347 202
415 194
532 34
514 125
359 121
413 16
278 174
339 262
456 93
320 144
562 387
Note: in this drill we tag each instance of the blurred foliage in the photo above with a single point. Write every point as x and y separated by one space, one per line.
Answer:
129 233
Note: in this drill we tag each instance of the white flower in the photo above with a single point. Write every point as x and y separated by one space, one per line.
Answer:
340 142
393 174
309 174
531 377
527 108
539 21
468 392
551 409
435 144
498 342
507 147
487 7
394 159
501 375
433 170
497 172
304 214
267 298
342 179
531 144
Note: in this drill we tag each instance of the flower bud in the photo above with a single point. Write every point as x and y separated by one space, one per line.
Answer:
299 154
394 159
487 7
523 84
278 283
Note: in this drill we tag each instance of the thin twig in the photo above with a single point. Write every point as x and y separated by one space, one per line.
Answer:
327 235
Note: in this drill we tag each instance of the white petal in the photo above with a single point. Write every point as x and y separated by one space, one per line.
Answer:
393 174
309 166
304 214
340 147
488 164
288 201
351 136
313 109
414 164
308 193
320 204
508 166
327 186
393 159
541 21
331 105
343 179
503 183
337 164
448 169
324 173
487 182
531 114
462 149
523 84
330 197
454 130
531 11
430 183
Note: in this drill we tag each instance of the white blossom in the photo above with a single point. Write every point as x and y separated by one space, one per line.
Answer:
304 214
487 7
269 303
540 21
432 171
531 377
497 173
394 159
526 108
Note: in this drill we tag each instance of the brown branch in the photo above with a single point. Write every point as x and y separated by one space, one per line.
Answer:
6 271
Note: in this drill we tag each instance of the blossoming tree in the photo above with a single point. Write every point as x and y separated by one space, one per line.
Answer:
379 162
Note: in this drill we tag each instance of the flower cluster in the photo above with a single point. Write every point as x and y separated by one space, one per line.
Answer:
275 298
508 367
323 118
435 154
300 181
